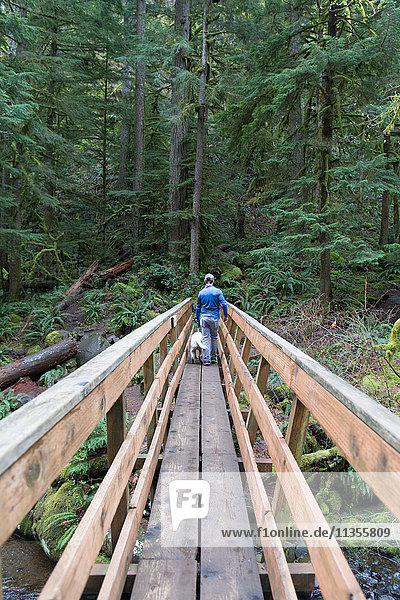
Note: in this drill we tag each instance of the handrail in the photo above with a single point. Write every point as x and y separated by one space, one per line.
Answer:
366 433
38 440
379 418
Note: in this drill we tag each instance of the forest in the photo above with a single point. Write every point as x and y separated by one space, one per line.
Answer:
254 139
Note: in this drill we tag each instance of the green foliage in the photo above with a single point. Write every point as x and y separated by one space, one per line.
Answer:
42 323
68 521
80 464
94 306
9 401
394 342
7 328
53 375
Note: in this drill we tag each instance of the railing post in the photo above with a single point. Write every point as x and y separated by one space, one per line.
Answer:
261 381
148 378
295 437
173 337
245 358
237 339
116 433
163 354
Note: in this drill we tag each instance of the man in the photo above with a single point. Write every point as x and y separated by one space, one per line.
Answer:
207 315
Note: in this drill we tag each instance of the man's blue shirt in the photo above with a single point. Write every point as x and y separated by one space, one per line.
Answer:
208 302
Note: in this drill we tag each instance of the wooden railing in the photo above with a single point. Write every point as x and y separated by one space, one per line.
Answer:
367 434
39 439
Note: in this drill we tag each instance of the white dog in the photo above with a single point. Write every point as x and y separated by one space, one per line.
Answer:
197 346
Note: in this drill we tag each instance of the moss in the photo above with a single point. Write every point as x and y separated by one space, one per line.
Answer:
25 528
53 338
15 319
231 273
33 350
150 314
53 503
323 460
394 342
102 559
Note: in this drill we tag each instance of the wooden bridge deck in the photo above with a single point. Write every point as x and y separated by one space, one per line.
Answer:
199 439
196 437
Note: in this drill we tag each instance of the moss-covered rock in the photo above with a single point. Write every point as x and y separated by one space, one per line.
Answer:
394 342
54 515
231 273
33 350
15 319
150 314
53 338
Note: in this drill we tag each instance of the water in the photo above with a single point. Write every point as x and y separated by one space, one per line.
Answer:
25 569
378 575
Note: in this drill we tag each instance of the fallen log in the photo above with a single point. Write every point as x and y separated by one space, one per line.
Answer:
71 294
121 268
38 363
89 271
68 300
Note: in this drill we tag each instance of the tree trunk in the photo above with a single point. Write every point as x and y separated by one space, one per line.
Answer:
38 363
126 89
325 158
104 170
296 112
177 172
383 237
14 276
198 172
138 166
86 275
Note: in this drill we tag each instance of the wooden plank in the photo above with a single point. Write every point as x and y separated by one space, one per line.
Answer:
335 577
280 579
216 433
302 574
81 551
261 381
161 579
226 572
366 433
116 433
114 581
181 455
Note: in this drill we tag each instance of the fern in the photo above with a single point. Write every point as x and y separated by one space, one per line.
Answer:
9 401
97 440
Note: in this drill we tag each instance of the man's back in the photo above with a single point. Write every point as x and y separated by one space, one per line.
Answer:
208 302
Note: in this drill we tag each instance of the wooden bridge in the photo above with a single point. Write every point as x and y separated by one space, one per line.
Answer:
188 416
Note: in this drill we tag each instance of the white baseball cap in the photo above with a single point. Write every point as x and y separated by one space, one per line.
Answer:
208 278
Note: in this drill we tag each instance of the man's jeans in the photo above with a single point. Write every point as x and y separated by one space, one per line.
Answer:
209 330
